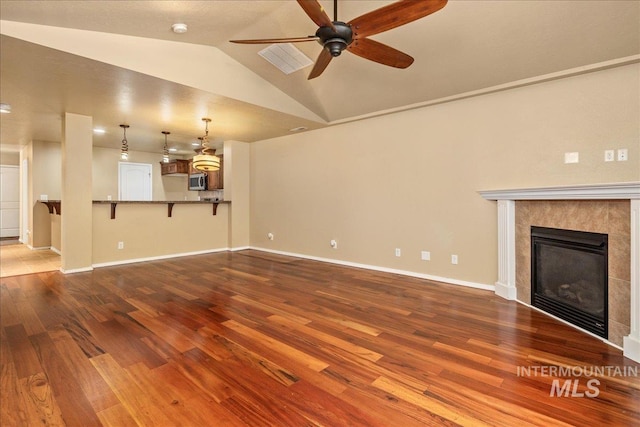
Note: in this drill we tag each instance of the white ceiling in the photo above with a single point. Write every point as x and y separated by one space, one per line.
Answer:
467 46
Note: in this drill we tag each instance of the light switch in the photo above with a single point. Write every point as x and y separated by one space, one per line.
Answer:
609 155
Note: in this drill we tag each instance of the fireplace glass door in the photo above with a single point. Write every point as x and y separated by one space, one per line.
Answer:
569 276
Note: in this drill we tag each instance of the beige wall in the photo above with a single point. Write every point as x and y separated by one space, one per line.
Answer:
10 158
56 232
44 163
105 176
147 231
410 180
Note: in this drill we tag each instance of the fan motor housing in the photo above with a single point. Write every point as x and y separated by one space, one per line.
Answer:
335 41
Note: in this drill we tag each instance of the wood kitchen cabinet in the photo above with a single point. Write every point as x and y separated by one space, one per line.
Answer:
176 166
215 180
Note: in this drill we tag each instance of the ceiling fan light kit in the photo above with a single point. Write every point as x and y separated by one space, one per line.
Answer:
336 36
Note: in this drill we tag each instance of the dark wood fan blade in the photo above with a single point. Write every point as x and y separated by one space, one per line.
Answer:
380 53
316 12
321 63
393 15
269 41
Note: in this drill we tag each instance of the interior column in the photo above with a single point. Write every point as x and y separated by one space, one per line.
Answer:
237 158
631 343
506 284
77 215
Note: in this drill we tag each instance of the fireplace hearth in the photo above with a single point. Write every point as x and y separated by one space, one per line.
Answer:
569 276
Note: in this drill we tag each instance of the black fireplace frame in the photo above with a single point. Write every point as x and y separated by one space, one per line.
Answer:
596 243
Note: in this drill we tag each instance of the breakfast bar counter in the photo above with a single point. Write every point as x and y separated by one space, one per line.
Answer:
169 203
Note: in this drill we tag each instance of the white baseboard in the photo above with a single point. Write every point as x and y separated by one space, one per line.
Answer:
383 269
156 258
40 248
314 258
631 348
76 270
506 292
56 250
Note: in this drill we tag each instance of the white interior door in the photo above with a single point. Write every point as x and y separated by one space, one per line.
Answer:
134 181
9 201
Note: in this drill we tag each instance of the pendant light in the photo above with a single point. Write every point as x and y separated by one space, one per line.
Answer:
205 160
124 150
165 153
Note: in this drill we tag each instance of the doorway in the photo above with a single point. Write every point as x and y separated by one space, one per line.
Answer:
9 201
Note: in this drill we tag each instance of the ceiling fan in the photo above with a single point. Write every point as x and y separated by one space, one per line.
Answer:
335 36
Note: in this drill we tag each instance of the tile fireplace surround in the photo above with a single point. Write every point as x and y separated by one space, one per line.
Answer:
612 209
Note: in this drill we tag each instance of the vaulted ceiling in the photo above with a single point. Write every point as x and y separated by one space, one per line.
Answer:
120 62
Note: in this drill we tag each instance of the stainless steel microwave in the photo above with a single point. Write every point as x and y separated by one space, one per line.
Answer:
198 181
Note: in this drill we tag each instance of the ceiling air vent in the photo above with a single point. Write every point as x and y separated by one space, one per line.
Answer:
286 57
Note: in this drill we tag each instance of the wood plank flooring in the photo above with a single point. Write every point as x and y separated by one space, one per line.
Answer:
250 338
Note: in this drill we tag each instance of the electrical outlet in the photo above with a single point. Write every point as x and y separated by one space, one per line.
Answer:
270 236
120 245
454 259
622 155
425 255
609 155
333 244
573 157
398 252
44 197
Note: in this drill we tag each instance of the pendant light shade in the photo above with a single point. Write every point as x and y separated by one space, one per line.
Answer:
124 149
205 160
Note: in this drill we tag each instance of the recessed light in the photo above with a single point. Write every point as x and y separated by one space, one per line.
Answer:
173 150
179 28
298 129
100 131
5 108
195 144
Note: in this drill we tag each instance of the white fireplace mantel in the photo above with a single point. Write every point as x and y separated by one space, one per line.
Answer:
620 190
506 284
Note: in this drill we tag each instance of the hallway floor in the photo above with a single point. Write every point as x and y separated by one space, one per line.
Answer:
16 259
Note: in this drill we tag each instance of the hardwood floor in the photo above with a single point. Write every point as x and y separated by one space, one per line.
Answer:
250 338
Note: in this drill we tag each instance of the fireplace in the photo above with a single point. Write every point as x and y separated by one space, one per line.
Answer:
569 276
